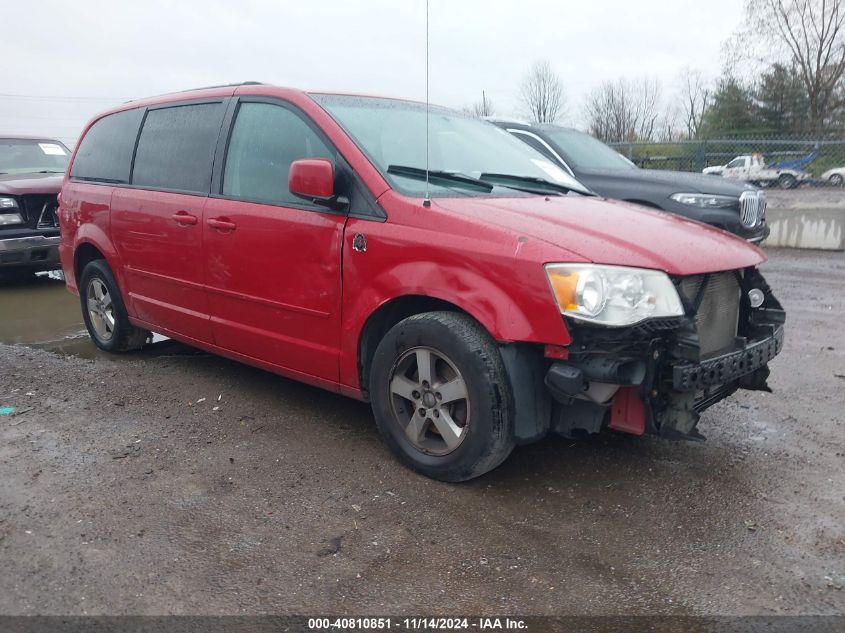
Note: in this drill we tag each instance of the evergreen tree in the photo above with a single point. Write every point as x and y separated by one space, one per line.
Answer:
782 103
732 112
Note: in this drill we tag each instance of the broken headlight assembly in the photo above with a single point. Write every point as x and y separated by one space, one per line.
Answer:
615 296
9 212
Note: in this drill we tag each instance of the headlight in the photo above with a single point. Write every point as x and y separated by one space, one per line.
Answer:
613 295
9 212
705 201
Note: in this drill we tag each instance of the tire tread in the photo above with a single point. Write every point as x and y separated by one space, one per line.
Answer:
128 337
479 343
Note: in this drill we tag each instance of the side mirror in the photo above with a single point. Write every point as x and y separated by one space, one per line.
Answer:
313 179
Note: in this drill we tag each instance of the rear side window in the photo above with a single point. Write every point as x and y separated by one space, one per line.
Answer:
105 154
176 147
265 140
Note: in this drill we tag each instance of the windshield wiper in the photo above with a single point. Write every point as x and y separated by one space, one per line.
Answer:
48 171
532 184
439 175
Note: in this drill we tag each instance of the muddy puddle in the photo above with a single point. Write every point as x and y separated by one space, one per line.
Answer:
37 311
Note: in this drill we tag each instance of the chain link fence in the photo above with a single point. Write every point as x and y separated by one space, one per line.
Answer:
695 155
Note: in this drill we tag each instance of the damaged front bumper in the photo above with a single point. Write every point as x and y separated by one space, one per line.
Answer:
651 378
733 365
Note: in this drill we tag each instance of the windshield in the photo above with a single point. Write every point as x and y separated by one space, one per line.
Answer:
392 134
25 156
582 151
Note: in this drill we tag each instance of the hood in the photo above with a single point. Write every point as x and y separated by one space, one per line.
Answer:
21 184
612 232
675 181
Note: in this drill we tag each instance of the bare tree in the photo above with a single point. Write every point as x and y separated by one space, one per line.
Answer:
481 108
647 103
810 34
695 99
669 126
598 112
622 110
541 93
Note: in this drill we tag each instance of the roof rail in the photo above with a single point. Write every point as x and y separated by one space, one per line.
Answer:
242 83
178 92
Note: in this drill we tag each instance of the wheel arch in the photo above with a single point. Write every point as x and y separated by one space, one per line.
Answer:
388 314
90 243
85 253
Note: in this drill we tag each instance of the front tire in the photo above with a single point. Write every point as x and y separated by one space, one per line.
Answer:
105 313
441 397
787 181
836 180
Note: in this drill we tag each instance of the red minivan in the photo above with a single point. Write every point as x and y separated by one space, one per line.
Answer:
417 258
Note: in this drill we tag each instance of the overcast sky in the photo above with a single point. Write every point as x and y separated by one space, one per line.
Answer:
65 61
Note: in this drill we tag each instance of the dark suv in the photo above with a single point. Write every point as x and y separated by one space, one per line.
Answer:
30 178
736 207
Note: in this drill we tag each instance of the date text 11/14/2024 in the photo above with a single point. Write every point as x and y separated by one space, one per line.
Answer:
417 624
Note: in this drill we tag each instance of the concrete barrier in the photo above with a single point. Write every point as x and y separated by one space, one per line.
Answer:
807 218
807 228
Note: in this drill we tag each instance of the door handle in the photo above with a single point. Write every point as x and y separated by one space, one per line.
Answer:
222 224
184 218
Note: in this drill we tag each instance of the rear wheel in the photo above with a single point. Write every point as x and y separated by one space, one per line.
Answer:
787 181
104 311
440 396
836 180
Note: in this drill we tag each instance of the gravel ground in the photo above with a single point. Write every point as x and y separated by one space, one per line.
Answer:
121 492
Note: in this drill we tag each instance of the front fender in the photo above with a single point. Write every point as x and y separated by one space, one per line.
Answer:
507 294
489 304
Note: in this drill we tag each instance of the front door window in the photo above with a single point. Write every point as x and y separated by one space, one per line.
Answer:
265 140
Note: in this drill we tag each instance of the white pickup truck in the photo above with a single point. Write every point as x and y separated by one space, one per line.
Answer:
752 168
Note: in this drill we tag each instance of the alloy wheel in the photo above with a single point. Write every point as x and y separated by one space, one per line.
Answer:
430 400
100 309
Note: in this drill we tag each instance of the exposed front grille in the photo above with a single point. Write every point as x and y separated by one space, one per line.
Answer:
752 208
718 315
47 217
40 210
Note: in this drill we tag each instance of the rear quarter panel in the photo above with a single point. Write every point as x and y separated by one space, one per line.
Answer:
84 219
